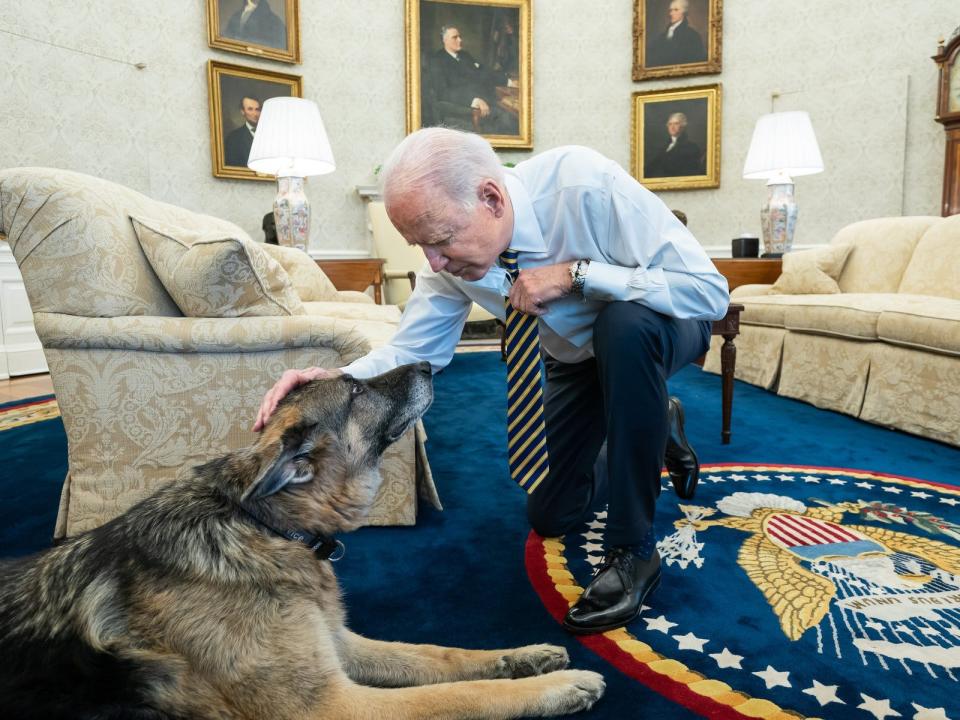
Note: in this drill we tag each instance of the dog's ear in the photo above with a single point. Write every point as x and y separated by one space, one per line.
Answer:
291 464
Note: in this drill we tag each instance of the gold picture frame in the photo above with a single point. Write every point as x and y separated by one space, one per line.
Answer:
690 161
673 38
230 90
495 39
271 31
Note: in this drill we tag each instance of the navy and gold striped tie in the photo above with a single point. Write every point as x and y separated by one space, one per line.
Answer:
526 429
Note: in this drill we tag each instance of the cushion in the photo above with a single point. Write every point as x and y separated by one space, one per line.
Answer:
812 272
309 281
850 316
354 311
929 324
934 268
881 251
212 274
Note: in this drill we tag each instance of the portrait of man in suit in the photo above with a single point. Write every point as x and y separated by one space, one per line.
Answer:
672 38
469 67
255 22
675 138
237 95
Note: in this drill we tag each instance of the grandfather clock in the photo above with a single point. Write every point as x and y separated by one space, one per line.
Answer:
948 114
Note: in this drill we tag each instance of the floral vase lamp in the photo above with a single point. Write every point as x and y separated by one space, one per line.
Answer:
292 144
783 146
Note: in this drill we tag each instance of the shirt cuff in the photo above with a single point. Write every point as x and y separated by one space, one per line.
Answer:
606 282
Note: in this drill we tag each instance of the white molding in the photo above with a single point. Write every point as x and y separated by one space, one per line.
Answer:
338 254
20 350
369 192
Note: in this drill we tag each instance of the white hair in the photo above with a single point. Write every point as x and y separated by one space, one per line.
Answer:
683 4
439 158
680 117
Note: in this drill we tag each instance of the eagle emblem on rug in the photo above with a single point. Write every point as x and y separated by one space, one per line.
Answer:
788 591
803 559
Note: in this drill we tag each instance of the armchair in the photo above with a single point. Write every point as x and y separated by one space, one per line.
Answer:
146 393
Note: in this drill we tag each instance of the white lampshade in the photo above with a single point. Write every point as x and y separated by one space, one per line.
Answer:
290 140
782 143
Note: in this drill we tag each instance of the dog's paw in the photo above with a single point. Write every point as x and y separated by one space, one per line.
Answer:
571 691
532 660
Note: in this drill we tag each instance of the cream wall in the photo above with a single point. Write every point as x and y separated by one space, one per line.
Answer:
865 77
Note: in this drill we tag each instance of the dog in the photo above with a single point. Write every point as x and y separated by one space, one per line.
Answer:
214 598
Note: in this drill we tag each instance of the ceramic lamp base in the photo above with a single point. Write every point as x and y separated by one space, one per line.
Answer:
778 219
291 210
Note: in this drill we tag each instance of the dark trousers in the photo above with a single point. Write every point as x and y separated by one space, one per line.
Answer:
618 396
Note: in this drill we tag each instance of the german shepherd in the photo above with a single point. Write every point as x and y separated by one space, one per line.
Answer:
215 597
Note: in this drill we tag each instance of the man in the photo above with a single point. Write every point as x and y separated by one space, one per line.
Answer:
240 140
681 156
461 87
256 23
621 296
679 43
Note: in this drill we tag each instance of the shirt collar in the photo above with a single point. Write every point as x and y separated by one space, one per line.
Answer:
527 236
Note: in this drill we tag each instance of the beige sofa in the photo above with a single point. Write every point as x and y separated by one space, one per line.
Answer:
885 348
145 392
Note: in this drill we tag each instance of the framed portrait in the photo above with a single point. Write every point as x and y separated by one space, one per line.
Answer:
469 67
676 37
236 96
264 28
675 140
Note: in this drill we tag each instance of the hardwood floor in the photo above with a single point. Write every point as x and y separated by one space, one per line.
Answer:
25 386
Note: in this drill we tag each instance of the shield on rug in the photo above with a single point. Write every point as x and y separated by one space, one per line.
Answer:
788 591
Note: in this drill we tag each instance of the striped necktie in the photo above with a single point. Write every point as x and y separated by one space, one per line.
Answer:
526 429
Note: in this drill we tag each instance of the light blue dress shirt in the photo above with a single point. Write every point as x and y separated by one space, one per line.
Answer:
569 203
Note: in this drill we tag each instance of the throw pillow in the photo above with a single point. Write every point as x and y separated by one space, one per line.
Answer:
309 281
209 274
812 272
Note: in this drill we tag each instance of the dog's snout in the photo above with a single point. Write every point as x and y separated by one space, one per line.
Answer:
424 368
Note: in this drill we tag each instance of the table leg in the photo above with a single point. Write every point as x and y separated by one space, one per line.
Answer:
728 363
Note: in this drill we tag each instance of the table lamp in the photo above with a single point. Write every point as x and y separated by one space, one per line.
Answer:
783 146
291 143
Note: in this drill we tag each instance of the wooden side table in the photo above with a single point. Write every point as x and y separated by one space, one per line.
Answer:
747 271
729 328
356 274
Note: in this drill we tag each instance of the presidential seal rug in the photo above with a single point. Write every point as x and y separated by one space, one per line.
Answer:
788 591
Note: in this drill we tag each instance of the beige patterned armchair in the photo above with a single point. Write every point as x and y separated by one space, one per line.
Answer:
145 392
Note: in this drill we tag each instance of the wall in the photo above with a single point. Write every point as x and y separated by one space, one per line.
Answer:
865 77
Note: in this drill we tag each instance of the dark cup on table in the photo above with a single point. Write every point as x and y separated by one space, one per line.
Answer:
745 247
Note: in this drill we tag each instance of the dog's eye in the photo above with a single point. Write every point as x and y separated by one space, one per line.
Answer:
356 389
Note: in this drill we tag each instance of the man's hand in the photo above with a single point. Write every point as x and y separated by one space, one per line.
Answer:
535 287
482 105
288 381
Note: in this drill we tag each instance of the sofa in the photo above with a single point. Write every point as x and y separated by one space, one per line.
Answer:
163 328
874 334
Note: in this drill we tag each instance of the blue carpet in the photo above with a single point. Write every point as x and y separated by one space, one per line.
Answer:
458 577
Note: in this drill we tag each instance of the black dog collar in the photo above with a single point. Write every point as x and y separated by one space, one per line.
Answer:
323 547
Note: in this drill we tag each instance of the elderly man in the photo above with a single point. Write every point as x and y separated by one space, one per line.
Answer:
680 156
460 86
611 288
679 43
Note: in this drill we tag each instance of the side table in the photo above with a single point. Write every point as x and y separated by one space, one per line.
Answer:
747 271
356 274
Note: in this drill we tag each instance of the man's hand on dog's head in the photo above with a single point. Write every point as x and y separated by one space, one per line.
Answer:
288 381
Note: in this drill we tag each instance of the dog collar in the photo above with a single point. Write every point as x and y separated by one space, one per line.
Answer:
325 548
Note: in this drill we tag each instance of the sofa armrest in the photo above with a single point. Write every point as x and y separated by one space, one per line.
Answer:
753 290
200 335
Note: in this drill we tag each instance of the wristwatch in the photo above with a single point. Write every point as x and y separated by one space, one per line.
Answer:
578 275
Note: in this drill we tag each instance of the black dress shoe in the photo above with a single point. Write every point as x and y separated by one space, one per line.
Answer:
680 459
615 595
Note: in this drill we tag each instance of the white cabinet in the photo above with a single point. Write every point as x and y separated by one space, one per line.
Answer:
20 349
